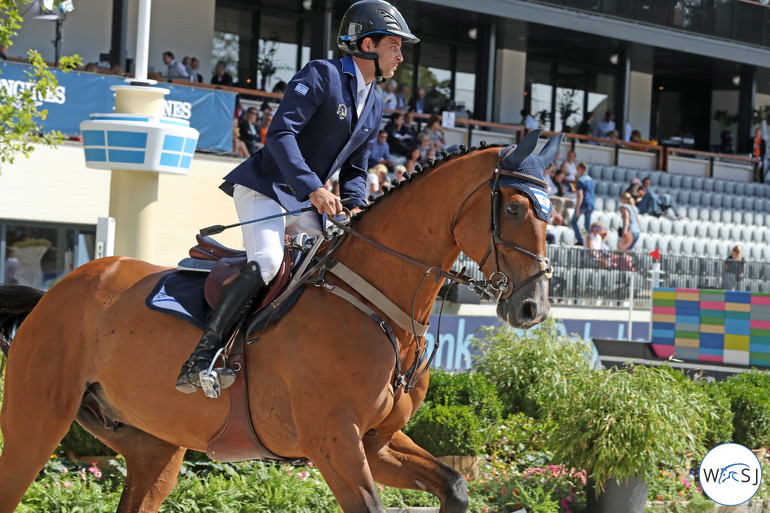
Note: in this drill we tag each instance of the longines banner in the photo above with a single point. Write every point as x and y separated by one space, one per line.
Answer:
79 95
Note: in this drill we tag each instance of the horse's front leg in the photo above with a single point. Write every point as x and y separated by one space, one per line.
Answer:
339 456
401 463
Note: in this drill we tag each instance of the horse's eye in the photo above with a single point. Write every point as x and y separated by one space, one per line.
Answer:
513 210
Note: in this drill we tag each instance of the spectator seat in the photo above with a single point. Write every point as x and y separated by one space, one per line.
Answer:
676 181
611 204
721 200
687 182
719 186
677 228
729 187
712 230
599 202
738 202
698 182
704 215
602 187
665 179
728 216
740 188
701 230
689 228
708 184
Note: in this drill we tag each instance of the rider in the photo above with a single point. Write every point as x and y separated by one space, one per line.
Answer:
328 120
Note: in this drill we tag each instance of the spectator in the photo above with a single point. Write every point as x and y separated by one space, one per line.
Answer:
407 129
418 103
569 167
264 125
249 132
595 241
629 232
760 147
403 91
194 75
400 171
239 147
586 126
423 142
627 132
584 205
117 69
604 127
436 133
175 69
732 270
3 55
651 203
398 143
380 153
221 77
374 180
636 137
527 120
91 67
412 159
389 99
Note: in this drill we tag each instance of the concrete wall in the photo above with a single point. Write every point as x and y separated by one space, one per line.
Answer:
54 185
509 86
185 27
640 102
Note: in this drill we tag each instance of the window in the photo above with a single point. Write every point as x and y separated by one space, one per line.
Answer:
39 255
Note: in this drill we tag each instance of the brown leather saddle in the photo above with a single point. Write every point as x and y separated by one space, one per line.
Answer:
229 262
237 440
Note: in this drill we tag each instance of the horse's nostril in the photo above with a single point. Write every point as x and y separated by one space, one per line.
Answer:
528 310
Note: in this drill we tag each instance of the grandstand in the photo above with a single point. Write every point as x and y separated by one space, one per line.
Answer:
716 214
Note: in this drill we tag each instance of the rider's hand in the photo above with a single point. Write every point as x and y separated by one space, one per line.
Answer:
326 202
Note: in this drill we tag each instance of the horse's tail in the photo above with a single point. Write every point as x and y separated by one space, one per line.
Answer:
16 302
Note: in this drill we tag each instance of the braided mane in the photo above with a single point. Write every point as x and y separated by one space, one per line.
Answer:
430 163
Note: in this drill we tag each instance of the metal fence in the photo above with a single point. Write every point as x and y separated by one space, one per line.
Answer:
605 278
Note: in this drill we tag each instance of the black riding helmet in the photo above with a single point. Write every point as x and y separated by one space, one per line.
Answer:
367 18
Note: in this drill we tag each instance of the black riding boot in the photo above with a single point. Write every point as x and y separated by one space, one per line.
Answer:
235 301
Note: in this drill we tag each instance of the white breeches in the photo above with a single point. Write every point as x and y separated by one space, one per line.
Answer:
264 240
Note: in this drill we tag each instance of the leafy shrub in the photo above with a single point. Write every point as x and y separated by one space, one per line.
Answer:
749 394
78 442
719 425
528 369
465 389
447 430
520 440
624 423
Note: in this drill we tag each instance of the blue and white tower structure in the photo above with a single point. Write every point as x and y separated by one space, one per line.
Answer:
137 142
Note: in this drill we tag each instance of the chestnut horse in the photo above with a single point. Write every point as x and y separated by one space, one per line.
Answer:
321 380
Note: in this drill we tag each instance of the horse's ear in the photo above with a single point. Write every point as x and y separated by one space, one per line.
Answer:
551 149
522 151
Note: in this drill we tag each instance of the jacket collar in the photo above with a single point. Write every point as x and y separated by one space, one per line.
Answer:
348 66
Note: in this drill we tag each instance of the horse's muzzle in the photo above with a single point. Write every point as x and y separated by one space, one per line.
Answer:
524 310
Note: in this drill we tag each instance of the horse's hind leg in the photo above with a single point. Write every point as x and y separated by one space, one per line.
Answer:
152 464
38 408
401 463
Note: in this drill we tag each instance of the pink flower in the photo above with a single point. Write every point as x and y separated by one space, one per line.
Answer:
67 484
57 483
98 475
686 482
64 470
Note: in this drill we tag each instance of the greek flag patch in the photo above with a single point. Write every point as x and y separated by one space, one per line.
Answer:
301 89
543 202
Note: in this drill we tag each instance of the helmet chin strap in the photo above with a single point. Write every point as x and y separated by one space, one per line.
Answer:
378 72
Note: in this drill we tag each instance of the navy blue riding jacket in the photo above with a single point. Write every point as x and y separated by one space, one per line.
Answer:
314 132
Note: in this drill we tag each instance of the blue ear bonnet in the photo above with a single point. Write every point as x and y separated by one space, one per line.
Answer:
519 169
532 166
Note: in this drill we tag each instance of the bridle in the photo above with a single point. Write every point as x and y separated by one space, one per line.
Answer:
498 281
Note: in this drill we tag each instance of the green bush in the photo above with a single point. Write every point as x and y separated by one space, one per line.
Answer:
749 394
447 430
719 425
465 389
529 369
78 443
623 423
521 441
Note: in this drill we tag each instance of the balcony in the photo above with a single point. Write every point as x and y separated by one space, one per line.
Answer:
745 21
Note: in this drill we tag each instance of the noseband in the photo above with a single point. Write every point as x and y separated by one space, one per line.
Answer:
497 287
